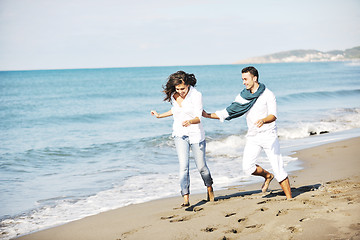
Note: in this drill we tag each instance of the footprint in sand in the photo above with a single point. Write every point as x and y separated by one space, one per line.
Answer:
182 219
304 219
232 231
281 212
293 229
209 229
312 202
355 226
198 209
168 217
349 199
230 214
255 226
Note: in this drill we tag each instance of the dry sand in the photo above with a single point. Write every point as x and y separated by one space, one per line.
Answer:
326 205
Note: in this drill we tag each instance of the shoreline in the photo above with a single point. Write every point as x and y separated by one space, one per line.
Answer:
325 191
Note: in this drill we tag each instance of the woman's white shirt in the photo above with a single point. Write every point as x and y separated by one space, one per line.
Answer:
191 107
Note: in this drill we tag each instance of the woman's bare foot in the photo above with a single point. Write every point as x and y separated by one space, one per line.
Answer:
266 184
186 201
210 194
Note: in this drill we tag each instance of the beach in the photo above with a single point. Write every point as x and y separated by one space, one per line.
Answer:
79 142
326 205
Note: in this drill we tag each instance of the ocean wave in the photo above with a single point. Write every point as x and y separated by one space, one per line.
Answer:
67 208
353 63
160 141
323 95
334 121
230 146
339 119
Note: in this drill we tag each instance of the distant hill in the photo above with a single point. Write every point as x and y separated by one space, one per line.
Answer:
306 56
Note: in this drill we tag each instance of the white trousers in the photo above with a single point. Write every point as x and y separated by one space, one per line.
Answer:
270 143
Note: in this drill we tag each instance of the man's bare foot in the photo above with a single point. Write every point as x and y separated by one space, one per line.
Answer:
266 184
210 194
285 185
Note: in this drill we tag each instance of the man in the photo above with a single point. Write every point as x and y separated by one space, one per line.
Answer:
259 105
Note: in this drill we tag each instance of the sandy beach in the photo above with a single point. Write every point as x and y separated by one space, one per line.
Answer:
326 205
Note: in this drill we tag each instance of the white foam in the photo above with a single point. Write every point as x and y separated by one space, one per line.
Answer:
226 171
134 190
231 146
334 121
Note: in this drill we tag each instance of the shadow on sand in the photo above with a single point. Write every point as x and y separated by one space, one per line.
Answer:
273 193
294 191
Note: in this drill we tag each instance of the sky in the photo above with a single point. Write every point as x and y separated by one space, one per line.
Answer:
63 34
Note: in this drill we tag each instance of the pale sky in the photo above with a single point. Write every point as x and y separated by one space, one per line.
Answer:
56 34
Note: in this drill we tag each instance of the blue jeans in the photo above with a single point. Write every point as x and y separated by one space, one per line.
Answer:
183 146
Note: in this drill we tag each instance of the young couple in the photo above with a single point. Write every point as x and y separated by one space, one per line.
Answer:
255 100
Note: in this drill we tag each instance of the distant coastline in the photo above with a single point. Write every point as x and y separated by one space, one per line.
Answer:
306 56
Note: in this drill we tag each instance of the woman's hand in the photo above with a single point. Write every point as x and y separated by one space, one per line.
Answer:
154 113
260 123
162 115
205 114
191 121
268 119
186 123
209 115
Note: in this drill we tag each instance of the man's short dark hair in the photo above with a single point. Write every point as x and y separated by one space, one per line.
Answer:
252 70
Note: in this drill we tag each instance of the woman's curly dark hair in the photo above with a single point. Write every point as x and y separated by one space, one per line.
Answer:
176 79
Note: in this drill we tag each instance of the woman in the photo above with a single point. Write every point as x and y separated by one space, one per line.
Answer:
187 129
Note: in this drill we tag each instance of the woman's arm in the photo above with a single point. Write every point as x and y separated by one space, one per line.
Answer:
268 119
192 121
162 115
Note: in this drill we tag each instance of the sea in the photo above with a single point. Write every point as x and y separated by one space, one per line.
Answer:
77 142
